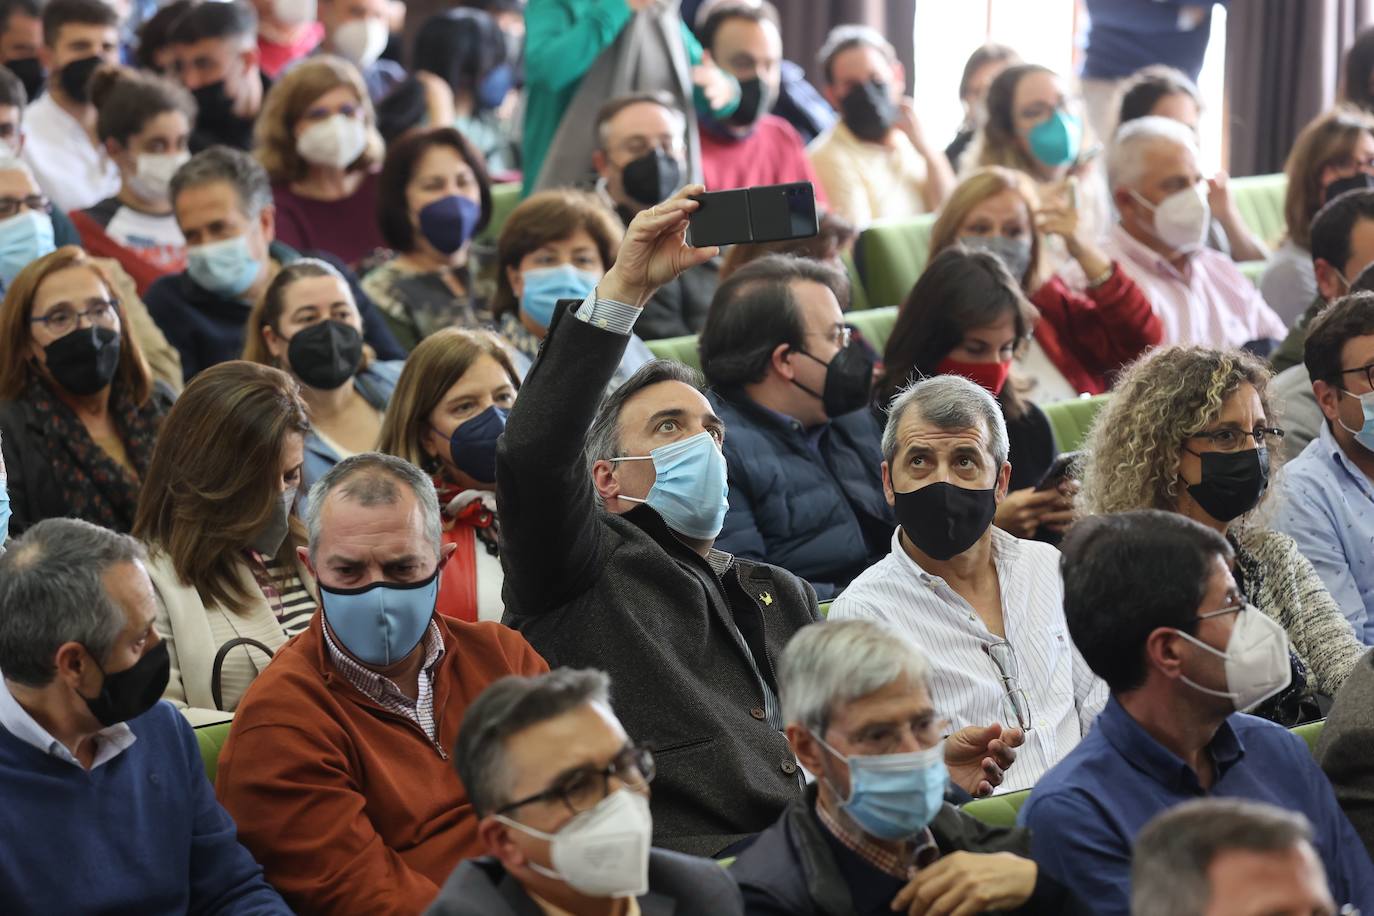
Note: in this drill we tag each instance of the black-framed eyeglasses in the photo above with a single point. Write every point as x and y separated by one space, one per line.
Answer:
1232 439
1367 371
583 789
65 318
1015 704
9 206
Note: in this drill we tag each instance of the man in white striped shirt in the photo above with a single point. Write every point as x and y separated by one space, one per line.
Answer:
986 607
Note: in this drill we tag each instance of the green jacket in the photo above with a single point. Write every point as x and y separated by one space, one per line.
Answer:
1289 353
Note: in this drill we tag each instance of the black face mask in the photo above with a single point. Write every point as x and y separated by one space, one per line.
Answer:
652 178
84 361
755 99
76 76
1360 181
215 117
1232 482
869 111
130 693
943 520
325 355
848 381
30 73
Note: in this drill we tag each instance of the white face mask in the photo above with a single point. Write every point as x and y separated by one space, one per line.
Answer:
603 852
361 40
1181 220
336 141
152 178
293 12
1256 659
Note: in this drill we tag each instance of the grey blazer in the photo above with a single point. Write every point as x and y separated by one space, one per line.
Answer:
1344 748
679 885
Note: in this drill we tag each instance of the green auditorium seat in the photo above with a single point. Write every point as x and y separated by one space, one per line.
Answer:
504 197
1071 420
825 608
1310 733
875 325
890 255
998 810
858 296
1252 270
682 349
1259 198
211 739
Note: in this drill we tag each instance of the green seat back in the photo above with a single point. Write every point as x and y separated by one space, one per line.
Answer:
504 197
1310 733
858 297
211 739
1252 270
890 255
1071 420
998 810
825 608
682 349
875 324
1259 198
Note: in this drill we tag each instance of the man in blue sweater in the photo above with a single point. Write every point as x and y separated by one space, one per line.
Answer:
104 802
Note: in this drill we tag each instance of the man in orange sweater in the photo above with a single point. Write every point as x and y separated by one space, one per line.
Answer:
337 767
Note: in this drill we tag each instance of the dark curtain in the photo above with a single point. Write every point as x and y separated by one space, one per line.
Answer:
1283 64
805 24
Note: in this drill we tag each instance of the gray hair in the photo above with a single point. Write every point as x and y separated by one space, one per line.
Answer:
948 402
239 170
844 37
1126 157
52 592
506 708
370 478
1175 850
837 661
603 439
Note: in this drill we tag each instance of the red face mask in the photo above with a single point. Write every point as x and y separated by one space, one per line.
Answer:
992 376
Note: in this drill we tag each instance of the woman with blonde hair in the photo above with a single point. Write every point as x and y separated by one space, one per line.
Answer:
317 137
1190 430
78 407
218 516
308 325
1333 154
449 409
1082 338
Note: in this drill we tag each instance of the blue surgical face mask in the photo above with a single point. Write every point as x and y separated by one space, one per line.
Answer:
226 268
473 444
690 488
1054 141
4 511
544 286
894 796
1365 434
381 623
24 238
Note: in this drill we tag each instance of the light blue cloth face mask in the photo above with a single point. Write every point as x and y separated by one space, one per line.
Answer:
382 622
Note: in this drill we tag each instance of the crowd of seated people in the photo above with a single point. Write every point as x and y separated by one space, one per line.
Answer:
358 554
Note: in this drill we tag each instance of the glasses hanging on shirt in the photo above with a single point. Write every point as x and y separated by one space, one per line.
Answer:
1015 704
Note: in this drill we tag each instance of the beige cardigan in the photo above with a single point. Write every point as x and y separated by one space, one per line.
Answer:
194 634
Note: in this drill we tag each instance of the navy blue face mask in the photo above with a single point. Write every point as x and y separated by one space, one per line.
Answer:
493 88
449 222
472 446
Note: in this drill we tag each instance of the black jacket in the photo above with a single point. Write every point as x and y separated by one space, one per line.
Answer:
621 593
678 886
792 868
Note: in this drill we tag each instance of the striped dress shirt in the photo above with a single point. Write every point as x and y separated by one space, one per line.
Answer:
964 683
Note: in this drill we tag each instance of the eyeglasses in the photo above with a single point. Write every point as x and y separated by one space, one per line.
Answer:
1367 371
839 335
1015 704
64 319
1230 439
9 206
1238 603
582 790
890 737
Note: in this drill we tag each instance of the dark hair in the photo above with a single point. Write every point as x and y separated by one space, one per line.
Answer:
126 100
459 45
999 131
754 311
1359 67
402 158
603 439
835 236
1332 226
550 216
847 37
761 12
618 104
9 8
156 33
1125 575
1144 88
233 19
959 290
506 708
1347 317
12 90
980 58
57 13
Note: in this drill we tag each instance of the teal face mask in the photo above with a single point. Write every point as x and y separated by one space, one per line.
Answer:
24 238
690 488
225 268
544 286
1365 434
894 796
382 622
4 512
1054 141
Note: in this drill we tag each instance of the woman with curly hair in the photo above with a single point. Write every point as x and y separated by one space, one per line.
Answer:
1190 430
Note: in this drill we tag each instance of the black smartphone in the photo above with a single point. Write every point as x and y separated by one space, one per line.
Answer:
1062 469
767 213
